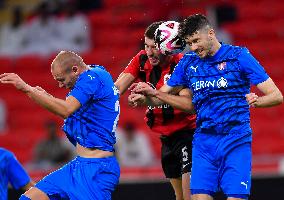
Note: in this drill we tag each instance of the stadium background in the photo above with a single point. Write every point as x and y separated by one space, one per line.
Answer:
116 29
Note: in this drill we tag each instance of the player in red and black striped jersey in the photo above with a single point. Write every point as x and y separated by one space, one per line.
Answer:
174 126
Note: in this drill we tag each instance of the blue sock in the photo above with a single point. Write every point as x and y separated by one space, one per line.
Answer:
23 197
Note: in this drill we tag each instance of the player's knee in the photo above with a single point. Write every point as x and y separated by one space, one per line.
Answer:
23 197
201 197
35 193
179 198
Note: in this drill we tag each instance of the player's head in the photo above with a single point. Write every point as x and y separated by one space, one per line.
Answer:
153 53
199 35
66 67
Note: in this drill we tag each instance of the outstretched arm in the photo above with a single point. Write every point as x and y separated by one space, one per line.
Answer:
62 108
179 98
272 95
124 81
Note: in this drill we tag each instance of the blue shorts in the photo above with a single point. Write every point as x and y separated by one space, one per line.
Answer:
82 178
221 163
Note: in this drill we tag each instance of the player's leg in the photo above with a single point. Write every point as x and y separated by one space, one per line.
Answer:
186 186
176 161
53 186
34 193
105 180
94 178
177 186
185 155
236 172
205 171
171 166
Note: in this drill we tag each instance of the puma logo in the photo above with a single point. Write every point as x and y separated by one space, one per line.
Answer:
245 184
194 68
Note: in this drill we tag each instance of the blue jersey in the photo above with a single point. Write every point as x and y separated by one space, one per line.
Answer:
11 172
93 124
219 85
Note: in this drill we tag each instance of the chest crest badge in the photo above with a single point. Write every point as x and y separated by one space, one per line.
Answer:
222 83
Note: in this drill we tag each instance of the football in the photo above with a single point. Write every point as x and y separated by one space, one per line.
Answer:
167 39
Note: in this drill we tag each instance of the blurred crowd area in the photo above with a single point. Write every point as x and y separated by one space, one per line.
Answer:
110 33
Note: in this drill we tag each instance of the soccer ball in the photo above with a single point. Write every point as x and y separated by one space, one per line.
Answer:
167 39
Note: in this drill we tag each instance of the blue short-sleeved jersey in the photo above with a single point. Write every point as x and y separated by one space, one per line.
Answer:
11 172
219 85
93 124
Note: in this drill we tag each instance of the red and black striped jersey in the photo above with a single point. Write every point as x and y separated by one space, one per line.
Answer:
162 119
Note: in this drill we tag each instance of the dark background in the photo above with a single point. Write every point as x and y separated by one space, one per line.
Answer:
262 189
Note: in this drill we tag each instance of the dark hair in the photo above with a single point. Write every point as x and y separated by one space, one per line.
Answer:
150 30
192 24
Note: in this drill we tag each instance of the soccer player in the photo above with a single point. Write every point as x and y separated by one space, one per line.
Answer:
12 172
219 76
175 128
91 113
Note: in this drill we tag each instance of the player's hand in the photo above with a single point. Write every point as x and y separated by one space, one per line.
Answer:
135 100
252 99
14 79
42 90
132 86
143 88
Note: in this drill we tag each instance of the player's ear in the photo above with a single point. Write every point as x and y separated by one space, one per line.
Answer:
211 33
75 69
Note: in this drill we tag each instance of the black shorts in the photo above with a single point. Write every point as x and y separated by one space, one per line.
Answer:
177 153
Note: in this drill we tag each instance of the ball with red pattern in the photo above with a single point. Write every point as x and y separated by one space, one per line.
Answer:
167 39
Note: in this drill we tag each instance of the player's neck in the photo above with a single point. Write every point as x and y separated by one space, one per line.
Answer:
215 48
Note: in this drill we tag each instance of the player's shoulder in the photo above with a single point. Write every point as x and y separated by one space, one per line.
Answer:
189 57
142 52
242 54
235 50
177 57
228 52
95 72
5 153
96 69
190 54
142 56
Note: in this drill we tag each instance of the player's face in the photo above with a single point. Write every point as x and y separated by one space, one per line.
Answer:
153 53
65 78
200 43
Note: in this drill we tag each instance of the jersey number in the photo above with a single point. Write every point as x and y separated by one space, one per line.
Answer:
117 109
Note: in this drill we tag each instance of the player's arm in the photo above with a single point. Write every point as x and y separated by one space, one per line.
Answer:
257 76
129 74
60 107
177 97
124 81
17 175
28 186
272 95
